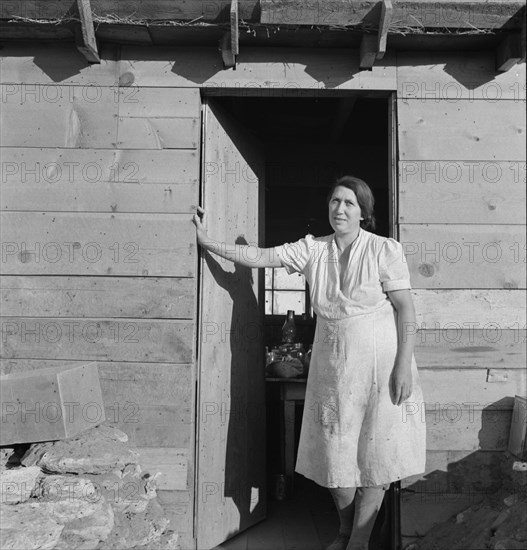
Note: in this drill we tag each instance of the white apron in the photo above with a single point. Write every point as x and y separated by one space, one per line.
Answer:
352 434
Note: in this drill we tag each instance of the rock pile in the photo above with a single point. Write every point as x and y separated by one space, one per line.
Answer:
498 521
83 493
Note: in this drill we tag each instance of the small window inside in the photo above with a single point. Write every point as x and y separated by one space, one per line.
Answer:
284 292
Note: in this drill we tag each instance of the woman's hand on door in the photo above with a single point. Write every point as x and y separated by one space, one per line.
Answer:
200 221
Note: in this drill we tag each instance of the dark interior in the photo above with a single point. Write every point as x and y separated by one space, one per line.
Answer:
308 143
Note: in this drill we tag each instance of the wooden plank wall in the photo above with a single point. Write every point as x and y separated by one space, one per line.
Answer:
461 137
98 183
99 176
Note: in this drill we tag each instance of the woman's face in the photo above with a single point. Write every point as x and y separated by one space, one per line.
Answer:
344 211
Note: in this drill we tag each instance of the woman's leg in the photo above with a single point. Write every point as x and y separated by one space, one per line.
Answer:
343 498
367 505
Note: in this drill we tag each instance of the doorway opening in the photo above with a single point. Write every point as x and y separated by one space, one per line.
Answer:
296 147
308 143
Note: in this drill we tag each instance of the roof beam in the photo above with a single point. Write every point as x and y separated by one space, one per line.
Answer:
229 43
235 31
407 14
384 25
85 36
372 48
368 51
229 60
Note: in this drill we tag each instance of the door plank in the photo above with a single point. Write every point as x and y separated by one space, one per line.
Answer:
231 475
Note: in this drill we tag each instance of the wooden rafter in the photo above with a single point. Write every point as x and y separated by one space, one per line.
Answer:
85 36
371 47
368 51
235 32
229 43
384 25
228 57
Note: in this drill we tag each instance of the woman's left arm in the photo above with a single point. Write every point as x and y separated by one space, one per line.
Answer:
401 378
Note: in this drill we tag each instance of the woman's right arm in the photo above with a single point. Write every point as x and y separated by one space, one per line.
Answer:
247 255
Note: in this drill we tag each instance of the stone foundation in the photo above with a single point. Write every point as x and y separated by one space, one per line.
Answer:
83 493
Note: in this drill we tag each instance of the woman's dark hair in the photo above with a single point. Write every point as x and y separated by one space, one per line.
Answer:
364 197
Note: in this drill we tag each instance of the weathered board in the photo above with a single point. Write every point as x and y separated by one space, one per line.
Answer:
65 116
21 68
60 243
141 297
230 478
39 32
462 192
178 506
491 348
479 387
148 424
152 404
452 427
149 341
463 130
63 403
461 309
272 71
159 102
158 133
131 10
50 166
171 463
102 196
118 33
432 76
465 256
91 117
406 13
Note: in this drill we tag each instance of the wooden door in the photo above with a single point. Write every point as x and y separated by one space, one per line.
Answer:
230 475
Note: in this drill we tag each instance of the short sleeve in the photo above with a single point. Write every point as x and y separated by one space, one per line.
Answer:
393 269
294 256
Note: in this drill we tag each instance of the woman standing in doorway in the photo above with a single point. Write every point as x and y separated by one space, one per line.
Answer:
362 426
